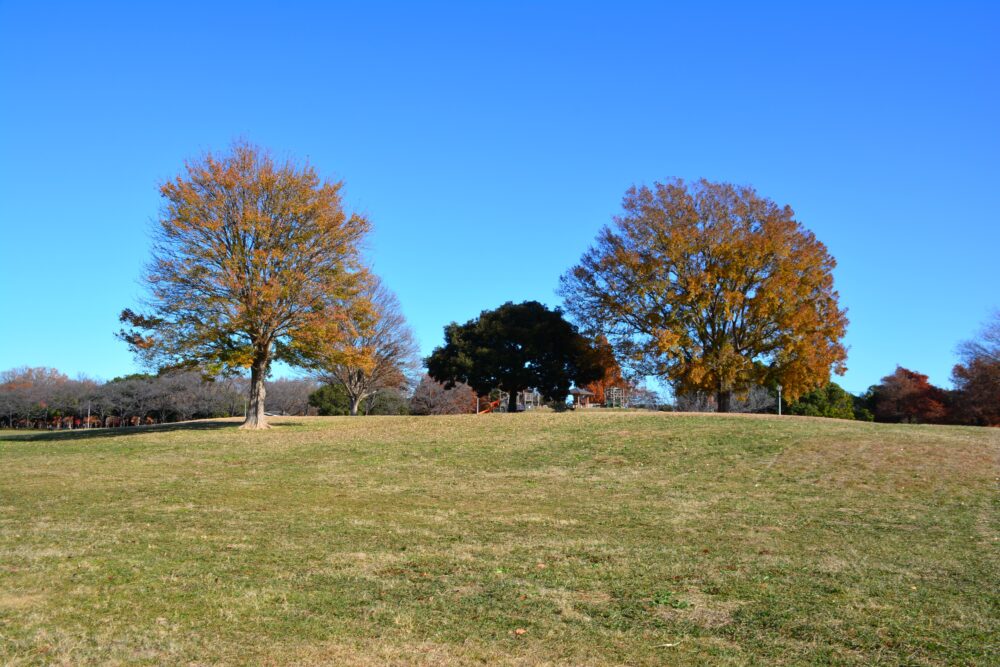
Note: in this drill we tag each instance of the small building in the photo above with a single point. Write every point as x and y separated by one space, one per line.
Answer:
581 397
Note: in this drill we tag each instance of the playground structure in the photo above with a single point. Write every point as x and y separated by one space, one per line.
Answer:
581 397
498 401
615 397
528 399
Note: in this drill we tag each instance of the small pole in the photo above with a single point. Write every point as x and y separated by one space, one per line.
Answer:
779 400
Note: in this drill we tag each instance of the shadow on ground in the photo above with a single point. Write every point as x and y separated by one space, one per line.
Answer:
86 434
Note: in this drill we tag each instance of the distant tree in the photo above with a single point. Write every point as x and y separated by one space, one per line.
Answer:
45 397
756 399
379 351
290 396
254 262
611 372
829 401
644 398
434 398
907 396
513 348
176 395
694 401
133 395
713 288
387 402
30 394
331 400
977 377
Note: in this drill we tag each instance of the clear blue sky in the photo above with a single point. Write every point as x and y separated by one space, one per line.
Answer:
490 141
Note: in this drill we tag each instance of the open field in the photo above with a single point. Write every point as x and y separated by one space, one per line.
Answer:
581 538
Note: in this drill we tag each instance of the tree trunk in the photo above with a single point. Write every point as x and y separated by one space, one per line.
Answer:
255 411
723 401
512 401
355 402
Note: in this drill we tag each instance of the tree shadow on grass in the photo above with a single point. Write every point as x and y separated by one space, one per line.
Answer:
89 433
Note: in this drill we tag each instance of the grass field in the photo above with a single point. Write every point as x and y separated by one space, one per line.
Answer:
581 538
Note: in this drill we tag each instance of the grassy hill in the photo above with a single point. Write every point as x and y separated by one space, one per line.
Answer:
582 538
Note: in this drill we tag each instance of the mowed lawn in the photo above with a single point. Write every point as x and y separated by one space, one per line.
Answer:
579 538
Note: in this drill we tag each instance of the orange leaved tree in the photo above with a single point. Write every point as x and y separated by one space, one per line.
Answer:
612 372
713 288
253 262
377 351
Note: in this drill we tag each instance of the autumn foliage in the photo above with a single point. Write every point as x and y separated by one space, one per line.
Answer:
713 288
612 372
376 350
908 396
254 262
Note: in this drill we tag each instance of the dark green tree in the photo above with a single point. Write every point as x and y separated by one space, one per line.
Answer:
829 401
387 402
331 400
516 347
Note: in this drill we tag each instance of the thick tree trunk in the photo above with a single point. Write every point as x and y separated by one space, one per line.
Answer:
723 401
512 401
256 419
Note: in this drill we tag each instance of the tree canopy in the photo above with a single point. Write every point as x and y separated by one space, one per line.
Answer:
432 398
254 262
513 348
378 352
331 400
712 287
977 376
908 396
829 401
611 375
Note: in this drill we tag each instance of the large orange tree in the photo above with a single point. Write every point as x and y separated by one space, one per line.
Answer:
254 261
713 288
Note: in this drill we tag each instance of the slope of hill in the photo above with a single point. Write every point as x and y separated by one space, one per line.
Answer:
586 538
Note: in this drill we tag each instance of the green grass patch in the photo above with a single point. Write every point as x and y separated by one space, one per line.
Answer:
579 538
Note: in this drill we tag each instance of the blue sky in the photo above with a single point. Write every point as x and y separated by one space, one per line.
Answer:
488 142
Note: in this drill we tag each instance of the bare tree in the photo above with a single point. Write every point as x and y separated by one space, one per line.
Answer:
32 394
46 398
381 351
431 398
977 376
387 402
290 396
756 399
693 401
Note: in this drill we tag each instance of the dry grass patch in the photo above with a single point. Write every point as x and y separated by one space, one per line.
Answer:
605 538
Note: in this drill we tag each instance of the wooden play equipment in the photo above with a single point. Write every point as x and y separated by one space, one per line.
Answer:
526 400
615 397
581 397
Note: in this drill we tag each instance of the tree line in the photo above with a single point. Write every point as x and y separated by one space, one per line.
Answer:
711 288
46 398
907 396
